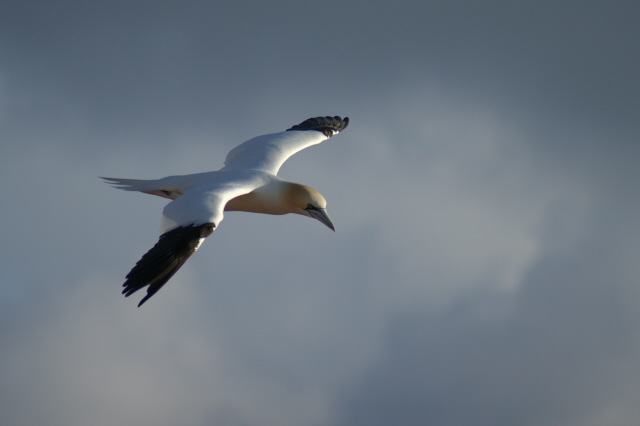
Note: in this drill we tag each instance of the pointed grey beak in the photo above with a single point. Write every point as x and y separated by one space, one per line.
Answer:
322 216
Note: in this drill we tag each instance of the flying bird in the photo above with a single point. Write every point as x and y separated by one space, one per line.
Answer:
247 182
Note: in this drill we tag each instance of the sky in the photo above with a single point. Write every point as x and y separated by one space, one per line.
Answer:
485 194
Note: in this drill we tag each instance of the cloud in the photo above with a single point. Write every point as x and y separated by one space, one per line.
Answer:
484 267
560 352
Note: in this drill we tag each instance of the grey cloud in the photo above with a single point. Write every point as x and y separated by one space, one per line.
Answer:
485 196
560 353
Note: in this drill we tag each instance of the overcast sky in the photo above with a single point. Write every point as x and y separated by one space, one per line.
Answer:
486 197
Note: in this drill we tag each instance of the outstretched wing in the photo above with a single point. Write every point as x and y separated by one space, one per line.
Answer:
268 152
160 263
186 222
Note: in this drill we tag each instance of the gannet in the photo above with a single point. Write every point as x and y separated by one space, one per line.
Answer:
247 182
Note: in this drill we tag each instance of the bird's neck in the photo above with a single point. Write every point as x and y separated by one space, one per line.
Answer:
268 199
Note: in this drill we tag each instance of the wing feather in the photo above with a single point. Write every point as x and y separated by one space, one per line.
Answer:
160 263
268 152
187 221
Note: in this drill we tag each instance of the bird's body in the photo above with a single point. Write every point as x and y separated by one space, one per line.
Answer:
247 182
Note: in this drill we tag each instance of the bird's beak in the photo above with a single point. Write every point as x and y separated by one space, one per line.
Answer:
322 216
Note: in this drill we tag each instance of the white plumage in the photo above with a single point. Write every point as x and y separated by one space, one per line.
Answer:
247 182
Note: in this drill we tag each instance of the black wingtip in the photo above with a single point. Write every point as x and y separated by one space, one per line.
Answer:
144 299
160 263
329 126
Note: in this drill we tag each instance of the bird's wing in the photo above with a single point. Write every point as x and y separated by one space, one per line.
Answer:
187 221
268 152
160 263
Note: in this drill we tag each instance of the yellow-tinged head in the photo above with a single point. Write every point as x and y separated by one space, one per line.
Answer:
307 201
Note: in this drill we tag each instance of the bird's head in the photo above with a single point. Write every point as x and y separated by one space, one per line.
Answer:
307 201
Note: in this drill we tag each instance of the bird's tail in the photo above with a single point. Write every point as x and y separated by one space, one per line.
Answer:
160 187
131 184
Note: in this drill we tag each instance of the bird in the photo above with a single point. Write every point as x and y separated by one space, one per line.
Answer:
247 182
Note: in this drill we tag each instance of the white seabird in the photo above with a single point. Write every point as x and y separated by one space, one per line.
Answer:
247 182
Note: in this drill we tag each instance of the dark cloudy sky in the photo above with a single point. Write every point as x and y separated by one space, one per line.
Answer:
486 196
